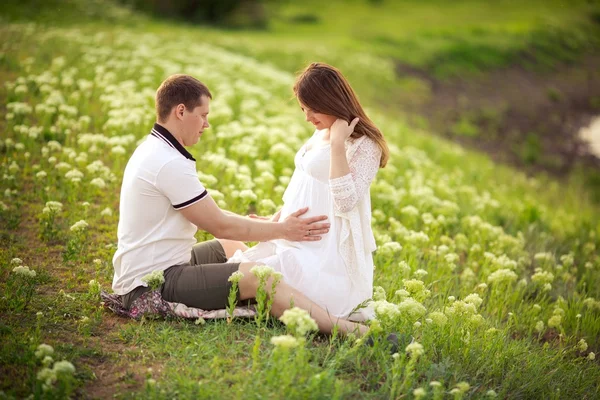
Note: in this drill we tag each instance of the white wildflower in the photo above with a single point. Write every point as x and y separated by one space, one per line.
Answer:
460 308
410 211
261 271
118 150
47 361
415 349
48 376
94 285
248 195
23 270
390 249
64 367
474 299
502 275
98 182
463 386
154 279
582 345
547 287
419 393
285 341
74 175
298 321
555 321
481 287
379 293
79 226
52 207
420 273
417 289
544 257
539 326
542 277
412 307
385 309
44 350
236 277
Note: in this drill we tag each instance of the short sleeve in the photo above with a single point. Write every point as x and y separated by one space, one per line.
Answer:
178 181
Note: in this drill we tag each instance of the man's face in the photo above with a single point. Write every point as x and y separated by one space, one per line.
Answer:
195 122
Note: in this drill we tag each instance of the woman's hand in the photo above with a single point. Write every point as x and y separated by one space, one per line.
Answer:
340 130
254 216
275 217
272 218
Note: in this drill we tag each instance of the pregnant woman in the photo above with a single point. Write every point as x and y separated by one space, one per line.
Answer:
333 174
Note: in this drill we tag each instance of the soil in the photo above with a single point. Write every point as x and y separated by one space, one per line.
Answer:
519 116
114 376
114 366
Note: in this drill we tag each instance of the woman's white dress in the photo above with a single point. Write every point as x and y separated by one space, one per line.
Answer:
335 272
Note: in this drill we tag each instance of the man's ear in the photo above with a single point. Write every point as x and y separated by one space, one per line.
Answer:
179 109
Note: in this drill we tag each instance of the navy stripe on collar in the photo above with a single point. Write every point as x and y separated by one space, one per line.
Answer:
163 134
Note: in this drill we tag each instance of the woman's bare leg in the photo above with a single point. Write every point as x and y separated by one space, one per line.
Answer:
285 294
231 246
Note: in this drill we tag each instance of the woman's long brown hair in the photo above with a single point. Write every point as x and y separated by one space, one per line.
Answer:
324 89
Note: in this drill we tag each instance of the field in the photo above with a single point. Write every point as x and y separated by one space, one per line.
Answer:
496 274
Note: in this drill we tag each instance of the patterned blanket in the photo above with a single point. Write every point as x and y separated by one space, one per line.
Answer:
152 304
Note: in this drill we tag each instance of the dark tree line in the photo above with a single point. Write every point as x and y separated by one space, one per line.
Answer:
232 13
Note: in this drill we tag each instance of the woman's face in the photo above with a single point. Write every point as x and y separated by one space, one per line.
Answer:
319 120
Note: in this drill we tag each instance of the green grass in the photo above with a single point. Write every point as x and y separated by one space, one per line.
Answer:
441 38
444 39
465 204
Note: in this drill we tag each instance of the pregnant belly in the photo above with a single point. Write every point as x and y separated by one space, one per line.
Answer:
305 191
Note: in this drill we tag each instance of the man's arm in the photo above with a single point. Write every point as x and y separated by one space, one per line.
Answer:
207 215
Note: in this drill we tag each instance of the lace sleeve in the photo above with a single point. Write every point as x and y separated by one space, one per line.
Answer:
347 190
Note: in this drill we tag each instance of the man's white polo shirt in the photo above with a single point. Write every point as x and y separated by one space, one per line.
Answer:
160 179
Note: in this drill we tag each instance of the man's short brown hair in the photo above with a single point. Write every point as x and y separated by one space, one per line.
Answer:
179 89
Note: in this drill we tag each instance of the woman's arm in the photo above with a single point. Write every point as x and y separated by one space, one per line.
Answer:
349 181
338 133
339 164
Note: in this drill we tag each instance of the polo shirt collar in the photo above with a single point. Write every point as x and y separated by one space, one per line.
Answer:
163 134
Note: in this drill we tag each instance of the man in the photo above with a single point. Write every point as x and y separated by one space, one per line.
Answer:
163 204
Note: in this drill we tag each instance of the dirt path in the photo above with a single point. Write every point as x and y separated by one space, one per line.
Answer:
112 366
519 116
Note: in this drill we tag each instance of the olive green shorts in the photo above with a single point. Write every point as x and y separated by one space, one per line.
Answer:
202 283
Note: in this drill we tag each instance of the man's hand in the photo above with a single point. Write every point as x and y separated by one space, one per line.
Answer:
305 229
207 215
